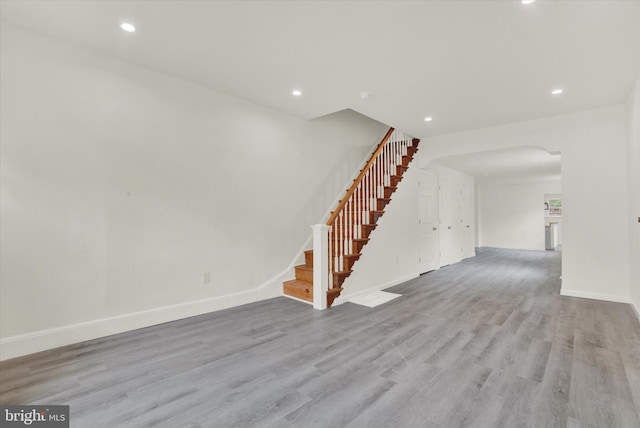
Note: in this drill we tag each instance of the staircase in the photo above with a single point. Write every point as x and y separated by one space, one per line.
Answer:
302 286
356 217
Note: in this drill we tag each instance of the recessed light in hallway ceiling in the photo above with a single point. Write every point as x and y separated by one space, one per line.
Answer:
557 91
129 28
527 1
296 92
428 119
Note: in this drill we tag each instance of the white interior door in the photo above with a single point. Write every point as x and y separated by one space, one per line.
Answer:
467 221
449 249
428 222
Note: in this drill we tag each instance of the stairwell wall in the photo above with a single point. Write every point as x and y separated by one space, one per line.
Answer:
122 186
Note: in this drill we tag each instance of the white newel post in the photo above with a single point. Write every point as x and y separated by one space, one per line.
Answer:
320 265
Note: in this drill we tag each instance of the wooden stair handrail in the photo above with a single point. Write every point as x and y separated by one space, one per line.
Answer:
358 179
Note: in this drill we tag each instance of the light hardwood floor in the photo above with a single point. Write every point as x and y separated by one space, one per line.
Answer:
487 342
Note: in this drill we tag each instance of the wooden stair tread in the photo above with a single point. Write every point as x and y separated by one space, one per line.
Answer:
298 288
308 257
304 273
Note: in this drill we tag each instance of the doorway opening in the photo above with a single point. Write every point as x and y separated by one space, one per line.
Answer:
553 221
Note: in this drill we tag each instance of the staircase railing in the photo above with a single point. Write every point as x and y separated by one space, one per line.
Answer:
337 244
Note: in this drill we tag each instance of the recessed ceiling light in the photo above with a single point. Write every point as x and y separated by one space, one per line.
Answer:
127 27
556 91
296 93
527 1
428 119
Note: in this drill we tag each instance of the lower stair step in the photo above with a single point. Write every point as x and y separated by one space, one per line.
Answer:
300 289
308 257
304 273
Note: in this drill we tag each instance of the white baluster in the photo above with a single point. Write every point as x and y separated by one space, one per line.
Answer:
359 209
340 240
378 179
367 195
331 259
374 179
351 213
385 162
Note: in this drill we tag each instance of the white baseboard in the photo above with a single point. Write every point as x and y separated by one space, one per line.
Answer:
595 296
42 340
24 344
345 297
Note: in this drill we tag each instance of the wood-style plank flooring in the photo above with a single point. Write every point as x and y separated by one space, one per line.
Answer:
487 342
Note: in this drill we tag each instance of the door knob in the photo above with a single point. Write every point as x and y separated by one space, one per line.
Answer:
449 227
435 228
468 226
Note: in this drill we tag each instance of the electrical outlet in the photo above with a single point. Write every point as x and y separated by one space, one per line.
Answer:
397 259
206 278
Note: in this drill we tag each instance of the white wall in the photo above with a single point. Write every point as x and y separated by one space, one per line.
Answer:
121 186
633 172
595 258
512 215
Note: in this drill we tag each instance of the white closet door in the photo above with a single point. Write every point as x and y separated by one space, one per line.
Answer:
428 222
449 247
467 221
